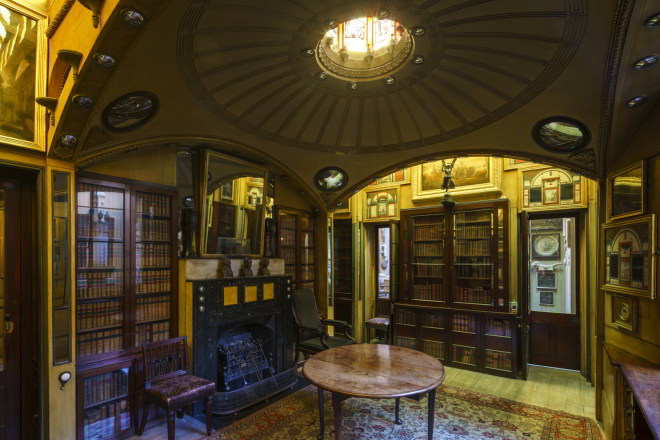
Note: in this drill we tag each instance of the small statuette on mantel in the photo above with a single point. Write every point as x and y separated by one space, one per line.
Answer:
246 269
263 267
224 268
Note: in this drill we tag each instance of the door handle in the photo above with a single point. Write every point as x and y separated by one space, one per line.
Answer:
9 324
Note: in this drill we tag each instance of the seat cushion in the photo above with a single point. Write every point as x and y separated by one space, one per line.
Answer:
314 344
378 322
179 391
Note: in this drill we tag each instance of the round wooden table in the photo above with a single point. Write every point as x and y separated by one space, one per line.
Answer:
373 371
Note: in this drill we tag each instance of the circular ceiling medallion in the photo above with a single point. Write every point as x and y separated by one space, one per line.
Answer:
560 134
130 111
331 179
458 69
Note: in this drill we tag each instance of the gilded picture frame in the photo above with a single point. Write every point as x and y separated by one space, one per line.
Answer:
630 258
390 180
15 129
472 175
381 210
511 164
545 176
636 189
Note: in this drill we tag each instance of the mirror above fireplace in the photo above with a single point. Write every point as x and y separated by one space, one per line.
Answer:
236 199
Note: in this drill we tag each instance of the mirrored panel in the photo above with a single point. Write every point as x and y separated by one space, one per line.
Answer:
61 268
626 192
236 199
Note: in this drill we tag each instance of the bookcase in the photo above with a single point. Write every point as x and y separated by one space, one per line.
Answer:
296 246
454 297
125 294
342 265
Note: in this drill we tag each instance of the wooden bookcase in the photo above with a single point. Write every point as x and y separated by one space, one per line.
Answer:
126 285
342 265
296 245
454 297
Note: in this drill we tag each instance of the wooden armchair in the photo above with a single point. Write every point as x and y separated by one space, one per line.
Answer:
312 337
168 384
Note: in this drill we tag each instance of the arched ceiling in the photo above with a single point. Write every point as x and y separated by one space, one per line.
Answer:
232 73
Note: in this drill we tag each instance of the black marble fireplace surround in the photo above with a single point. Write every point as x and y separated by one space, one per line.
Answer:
243 340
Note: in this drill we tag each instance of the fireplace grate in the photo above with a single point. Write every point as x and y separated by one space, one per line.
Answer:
243 361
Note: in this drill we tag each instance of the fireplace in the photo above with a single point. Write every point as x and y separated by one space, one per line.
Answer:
243 339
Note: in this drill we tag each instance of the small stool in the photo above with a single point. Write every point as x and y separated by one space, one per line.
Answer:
381 323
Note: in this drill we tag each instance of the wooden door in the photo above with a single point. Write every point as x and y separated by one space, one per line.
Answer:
524 288
553 290
343 270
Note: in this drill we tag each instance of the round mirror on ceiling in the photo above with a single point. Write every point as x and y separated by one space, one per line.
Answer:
130 111
560 134
331 179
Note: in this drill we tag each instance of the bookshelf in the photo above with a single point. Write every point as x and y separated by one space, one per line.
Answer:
342 269
125 294
296 245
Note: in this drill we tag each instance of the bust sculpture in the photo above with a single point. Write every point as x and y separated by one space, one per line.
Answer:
263 267
246 269
224 268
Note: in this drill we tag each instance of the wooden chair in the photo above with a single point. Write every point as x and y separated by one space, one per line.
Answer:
312 337
383 319
168 384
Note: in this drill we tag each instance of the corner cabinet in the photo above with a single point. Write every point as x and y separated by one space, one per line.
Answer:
454 299
296 237
125 295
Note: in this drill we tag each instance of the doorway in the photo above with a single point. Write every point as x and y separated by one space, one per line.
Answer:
552 279
19 307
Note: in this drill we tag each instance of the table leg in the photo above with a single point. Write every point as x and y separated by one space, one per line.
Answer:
431 412
321 414
396 411
336 406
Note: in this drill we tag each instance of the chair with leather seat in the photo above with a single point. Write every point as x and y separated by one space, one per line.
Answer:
383 320
168 384
312 337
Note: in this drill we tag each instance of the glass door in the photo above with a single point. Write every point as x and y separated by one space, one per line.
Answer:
473 257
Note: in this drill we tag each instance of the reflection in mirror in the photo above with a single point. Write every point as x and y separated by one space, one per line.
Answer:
236 205
627 192
61 268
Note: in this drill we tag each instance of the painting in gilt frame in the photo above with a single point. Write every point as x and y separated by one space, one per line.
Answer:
471 175
381 204
626 192
23 70
630 259
514 164
546 188
396 178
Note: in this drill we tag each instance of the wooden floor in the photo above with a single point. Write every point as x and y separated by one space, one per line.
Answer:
547 387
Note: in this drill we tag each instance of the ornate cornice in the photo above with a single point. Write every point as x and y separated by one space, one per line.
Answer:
59 17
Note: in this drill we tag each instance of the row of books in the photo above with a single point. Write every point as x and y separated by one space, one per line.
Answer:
105 386
434 348
152 229
434 320
290 270
467 270
153 281
99 314
306 285
99 255
498 360
99 284
147 333
471 231
428 267
287 237
428 249
153 254
404 316
107 420
499 327
472 248
152 308
473 295
473 216
464 323
429 232
289 255
402 341
99 223
94 196
153 204
465 355
428 292
90 344
429 220
287 221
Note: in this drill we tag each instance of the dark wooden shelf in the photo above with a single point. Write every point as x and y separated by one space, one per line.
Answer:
105 402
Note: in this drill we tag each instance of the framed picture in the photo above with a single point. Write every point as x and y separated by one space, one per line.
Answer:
514 164
546 188
396 178
546 297
625 312
471 175
630 259
381 204
227 190
546 279
626 192
254 195
23 71
546 246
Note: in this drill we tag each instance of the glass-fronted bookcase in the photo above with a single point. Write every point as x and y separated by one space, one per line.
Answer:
296 245
125 294
454 298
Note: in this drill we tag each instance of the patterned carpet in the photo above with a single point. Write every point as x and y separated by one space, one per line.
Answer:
460 414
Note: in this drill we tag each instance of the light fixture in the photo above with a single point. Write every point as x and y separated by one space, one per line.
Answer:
64 377
653 20
418 59
308 52
390 80
132 17
82 101
645 62
636 101
68 140
105 60
331 23
418 31
321 76
383 14
352 86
